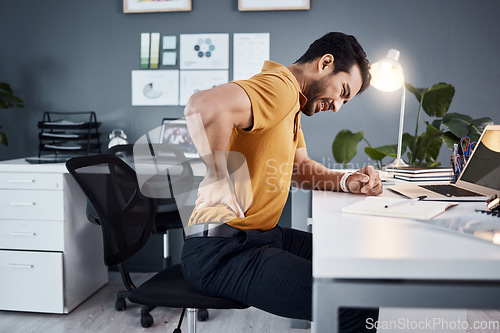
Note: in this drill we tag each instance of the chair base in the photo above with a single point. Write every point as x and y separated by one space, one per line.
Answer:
147 319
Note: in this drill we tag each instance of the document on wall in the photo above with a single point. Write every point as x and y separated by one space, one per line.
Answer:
158 87
395 207
204 51
193 81
250 50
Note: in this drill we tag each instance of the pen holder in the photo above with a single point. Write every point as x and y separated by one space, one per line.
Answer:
457 162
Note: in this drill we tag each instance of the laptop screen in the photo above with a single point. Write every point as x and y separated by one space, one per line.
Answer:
483 167
175 132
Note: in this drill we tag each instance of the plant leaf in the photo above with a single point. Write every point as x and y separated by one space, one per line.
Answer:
6 87
477 127
374 154
418 92
437 99
3 139
345 145
450 139
462 125
407 140
437 123
7 101
379 153
7 98
428 146
458 123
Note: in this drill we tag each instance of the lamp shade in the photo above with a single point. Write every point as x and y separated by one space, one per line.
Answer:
387 74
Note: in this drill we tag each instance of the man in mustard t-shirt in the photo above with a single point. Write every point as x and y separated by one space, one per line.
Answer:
233 247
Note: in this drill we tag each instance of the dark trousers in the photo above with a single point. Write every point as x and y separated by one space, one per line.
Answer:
270 270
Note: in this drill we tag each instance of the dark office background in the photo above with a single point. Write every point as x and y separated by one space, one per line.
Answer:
62 55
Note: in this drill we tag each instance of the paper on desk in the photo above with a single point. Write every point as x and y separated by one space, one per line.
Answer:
421 210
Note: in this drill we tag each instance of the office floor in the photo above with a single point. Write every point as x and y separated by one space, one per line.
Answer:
97 314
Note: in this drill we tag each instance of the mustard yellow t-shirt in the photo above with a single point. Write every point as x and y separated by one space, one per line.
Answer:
268 147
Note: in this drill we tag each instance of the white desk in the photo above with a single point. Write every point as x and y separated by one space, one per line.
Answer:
368 261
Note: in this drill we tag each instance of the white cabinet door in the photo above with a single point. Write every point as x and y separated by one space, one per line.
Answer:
31 281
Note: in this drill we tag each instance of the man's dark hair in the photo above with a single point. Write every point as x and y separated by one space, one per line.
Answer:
346 52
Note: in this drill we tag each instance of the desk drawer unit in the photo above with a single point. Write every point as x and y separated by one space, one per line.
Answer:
49 260
31 220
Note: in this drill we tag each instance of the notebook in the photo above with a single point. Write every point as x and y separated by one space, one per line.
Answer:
479 179
174 131
394 207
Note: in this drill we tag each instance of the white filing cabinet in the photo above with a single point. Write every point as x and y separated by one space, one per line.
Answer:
50 254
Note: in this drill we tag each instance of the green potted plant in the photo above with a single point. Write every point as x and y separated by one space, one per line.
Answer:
421 149
7 100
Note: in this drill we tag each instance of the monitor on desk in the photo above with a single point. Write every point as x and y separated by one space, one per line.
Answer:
174 131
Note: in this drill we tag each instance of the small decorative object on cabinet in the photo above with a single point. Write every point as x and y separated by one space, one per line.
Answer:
67 134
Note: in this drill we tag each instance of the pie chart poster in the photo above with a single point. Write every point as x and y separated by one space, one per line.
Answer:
159 87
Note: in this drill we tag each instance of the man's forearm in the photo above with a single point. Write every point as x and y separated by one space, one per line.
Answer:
312 175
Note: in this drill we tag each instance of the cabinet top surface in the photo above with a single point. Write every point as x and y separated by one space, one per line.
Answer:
20 165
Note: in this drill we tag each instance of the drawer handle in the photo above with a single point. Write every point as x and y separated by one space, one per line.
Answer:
21 180
21 266
16 233
22 203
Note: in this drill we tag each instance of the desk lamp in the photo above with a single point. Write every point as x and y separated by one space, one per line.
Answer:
387 75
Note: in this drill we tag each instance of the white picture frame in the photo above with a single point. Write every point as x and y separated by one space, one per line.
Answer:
259 5
137 6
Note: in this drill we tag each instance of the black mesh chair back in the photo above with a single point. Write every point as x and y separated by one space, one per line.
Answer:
126 216
161 184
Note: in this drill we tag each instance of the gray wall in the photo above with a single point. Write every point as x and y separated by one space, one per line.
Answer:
64 55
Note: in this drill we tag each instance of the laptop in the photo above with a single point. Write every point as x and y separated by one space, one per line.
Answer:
479 180
174 131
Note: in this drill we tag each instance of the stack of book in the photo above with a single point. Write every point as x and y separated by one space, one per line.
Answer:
420 174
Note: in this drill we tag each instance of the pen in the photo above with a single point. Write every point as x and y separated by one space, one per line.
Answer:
422 197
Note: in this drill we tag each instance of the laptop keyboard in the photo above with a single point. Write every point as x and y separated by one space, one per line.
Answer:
494 213
451 190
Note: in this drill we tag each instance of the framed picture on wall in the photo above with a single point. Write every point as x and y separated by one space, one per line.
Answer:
250 5
150 6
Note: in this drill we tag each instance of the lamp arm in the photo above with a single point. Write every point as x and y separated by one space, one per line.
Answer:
398 162
401 121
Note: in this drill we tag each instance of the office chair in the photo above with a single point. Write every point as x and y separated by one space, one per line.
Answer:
126 217
167 215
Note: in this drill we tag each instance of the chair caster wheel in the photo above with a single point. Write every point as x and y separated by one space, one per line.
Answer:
202 314
146 320
177 330
120 304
